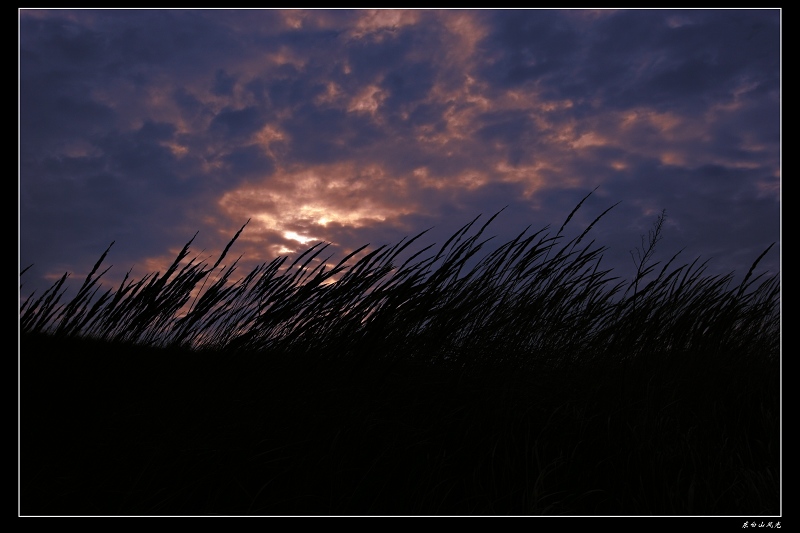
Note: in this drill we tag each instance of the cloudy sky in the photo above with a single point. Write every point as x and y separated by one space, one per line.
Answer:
358 126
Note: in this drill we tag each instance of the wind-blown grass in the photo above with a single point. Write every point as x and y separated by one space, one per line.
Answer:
535 297
553 386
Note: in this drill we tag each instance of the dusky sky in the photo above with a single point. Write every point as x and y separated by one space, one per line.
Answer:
364 126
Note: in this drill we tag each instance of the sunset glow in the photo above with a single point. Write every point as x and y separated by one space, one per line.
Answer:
364 126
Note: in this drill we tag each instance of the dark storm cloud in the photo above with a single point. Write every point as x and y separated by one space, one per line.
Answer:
237 124
692 59
248 161
355 126
324 134
223 83
526 46
378 53
189 105
505 127
286 88
408 84
668 59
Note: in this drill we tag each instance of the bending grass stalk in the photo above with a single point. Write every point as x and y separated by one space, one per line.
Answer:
533 299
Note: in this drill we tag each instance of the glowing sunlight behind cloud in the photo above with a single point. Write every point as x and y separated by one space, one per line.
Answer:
356 126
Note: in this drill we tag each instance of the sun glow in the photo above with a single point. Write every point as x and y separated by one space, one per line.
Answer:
299 238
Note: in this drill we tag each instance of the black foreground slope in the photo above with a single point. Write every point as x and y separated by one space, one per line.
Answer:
121 430
523 379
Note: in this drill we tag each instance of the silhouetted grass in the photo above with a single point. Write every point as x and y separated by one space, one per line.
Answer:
525 380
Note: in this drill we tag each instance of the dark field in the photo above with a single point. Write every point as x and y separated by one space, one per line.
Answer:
524 381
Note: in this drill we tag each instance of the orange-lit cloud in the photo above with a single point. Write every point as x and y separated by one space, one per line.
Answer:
351 126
